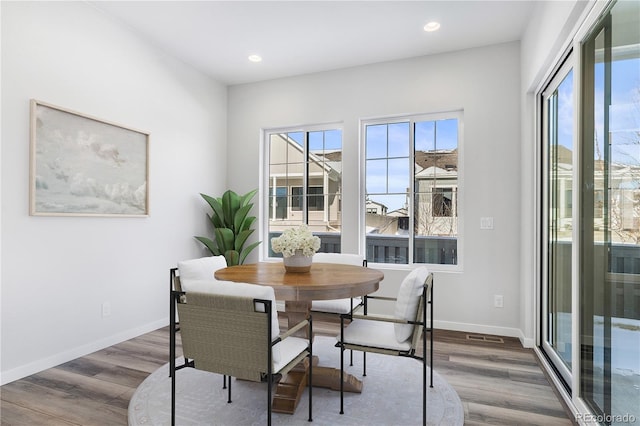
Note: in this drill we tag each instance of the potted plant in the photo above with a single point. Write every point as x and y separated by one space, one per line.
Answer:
297 245
232 226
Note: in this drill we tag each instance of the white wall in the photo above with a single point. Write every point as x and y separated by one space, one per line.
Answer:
57 271
485 82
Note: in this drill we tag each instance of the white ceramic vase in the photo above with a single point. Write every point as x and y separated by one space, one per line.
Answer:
297 263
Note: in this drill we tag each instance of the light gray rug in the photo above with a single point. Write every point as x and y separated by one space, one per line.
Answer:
391 395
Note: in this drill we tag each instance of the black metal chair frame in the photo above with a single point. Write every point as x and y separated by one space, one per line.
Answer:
426 302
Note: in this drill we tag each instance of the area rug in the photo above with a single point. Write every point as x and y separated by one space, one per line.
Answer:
391 395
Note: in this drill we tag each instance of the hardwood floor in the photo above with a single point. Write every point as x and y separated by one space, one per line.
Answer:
499 382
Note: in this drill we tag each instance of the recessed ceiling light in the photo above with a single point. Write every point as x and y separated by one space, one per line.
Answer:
432 26
255 58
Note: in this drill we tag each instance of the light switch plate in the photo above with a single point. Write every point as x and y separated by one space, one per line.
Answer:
486 223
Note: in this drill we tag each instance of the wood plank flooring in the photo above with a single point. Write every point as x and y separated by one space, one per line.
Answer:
499 383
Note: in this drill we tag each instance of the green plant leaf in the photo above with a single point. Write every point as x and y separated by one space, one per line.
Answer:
239 218
241 238
246 251
225 239
230 205
210 244
247 223
218 213
232 257
215 221
209 199
244 199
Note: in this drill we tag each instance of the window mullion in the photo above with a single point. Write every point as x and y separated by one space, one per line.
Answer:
305 179
411 190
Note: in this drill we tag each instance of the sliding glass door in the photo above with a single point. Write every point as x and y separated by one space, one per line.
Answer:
590 292
609 286
558 135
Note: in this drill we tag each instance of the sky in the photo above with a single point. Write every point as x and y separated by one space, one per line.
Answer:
624 112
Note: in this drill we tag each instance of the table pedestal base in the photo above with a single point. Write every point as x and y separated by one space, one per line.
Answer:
291 386
290 389
328 377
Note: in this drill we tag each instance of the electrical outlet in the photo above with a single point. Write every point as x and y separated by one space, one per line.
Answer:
498 301
106 309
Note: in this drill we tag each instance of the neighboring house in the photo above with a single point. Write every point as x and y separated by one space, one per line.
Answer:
437 201
436 178
373 207
324 186
436 183
623 197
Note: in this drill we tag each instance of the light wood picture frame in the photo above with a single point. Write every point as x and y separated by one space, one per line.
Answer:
85 166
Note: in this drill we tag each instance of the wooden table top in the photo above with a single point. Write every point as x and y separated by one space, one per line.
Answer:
324 280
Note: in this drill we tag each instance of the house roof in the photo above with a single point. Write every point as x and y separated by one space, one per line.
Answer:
437 173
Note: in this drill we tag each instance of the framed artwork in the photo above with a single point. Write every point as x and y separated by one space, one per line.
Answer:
84 166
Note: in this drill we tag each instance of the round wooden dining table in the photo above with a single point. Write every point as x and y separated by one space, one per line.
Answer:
324 281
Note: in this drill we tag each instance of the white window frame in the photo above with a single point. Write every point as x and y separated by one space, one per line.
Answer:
263 205
364 122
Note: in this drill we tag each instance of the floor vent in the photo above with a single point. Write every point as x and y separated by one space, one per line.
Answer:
482 338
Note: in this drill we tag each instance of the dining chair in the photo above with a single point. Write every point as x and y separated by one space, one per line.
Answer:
201 269
191 270
397 335
337 306
232 329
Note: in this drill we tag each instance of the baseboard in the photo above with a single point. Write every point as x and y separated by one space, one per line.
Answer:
527 342
480 329
77 352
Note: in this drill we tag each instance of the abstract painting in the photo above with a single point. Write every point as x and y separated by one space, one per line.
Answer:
84 166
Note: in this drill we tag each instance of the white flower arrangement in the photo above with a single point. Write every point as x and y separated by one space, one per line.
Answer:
292 239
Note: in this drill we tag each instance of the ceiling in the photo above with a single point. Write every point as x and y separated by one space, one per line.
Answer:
302 37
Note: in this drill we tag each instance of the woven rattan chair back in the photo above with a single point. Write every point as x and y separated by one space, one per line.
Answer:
236 346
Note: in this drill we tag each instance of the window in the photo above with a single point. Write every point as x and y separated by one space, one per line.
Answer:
303 178
278 203
442 200
315 198
412 174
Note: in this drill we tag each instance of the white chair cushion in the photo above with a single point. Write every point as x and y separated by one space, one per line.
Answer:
407 301
244 290
200 269
336 306
374 333
290 348
341 258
